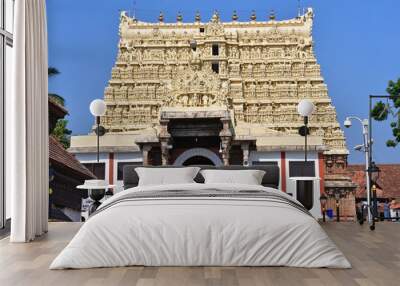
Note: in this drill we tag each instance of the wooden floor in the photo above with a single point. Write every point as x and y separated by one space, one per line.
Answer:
375 257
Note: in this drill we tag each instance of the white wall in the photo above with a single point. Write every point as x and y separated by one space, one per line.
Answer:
291 183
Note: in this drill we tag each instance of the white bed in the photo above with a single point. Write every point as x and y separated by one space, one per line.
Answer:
225 225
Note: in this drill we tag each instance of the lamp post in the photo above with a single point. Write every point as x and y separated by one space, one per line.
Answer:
374 172
98 108
371 98
305 108
367 147
323 199
305 185
337 199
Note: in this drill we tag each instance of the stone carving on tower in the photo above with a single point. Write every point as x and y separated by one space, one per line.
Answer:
262 68
196 89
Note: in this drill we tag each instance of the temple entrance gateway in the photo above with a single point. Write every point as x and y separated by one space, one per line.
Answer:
198 156
195 132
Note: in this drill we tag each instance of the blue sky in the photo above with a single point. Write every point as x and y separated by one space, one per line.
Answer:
357 44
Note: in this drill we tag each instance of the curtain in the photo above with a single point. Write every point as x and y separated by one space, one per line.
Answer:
27 124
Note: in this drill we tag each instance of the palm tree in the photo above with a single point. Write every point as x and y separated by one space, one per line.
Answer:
60 132
52 71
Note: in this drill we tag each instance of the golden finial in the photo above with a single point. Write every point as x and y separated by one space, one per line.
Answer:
253 16
197 18
235 17
272 15
161 17
215 16
179 18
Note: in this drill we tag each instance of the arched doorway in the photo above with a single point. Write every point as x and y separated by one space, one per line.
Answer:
200 155
197 160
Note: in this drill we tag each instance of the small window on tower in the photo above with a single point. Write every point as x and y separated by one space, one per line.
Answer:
215 67
201 29
215 50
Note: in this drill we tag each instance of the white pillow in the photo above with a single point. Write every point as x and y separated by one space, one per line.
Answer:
248 177
166 176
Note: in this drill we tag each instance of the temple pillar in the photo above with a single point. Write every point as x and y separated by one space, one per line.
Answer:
226 139
225 148
145 153
165 138
165 152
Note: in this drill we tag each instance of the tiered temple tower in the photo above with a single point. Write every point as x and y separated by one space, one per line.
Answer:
250 75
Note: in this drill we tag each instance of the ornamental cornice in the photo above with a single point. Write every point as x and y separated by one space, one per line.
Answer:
294 101
135 103
193 25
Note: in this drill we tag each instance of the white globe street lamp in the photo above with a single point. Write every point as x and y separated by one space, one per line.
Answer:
98 108
305 108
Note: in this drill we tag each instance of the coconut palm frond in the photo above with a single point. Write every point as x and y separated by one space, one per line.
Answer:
52 71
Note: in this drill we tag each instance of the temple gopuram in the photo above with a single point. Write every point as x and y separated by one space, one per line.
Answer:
221 93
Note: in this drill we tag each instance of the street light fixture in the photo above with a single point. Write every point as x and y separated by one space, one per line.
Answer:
305 108
97 109
366 144
359 147
347 123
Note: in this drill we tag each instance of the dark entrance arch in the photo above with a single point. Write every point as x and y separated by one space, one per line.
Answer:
198 152
198 160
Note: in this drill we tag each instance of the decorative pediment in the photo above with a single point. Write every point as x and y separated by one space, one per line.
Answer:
215 29
197 88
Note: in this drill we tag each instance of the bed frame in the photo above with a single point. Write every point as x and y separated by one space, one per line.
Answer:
270 179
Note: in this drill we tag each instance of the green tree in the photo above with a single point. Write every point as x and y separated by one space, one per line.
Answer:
60 131
391 109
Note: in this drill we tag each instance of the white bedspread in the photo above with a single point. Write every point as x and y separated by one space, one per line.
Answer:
202 231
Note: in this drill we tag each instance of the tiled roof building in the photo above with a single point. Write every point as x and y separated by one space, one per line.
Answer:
60 157
66 172
388 185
